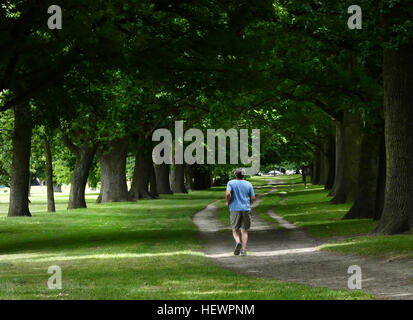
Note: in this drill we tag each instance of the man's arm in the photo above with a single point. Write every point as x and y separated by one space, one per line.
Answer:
252 199
228 196
252 195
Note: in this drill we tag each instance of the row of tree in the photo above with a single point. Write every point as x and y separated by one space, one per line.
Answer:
94 92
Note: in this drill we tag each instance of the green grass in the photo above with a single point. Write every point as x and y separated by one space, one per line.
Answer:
388 247
310 208
268 202
143 250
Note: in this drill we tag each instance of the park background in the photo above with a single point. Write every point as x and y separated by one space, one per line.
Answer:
78 107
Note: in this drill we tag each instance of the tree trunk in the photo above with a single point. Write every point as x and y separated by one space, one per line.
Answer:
397 213
339 164
113 167
141 175
22 139
189 177
347 186
153 189
162 179
49 176
178 179
323 165
381 181
330 161
84 159
202 177
365 203
315 172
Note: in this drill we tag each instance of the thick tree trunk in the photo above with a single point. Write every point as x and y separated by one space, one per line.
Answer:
346 189
397 213
323 166
84 159
316 170
202 177
49 176
162 178
153 189
178 179
339 164
365 203
189 177
330 161
141 175
113 168
22 136
381 180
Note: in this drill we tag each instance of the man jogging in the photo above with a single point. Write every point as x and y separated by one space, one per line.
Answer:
240 195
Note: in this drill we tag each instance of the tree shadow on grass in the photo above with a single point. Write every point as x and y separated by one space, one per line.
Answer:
145 239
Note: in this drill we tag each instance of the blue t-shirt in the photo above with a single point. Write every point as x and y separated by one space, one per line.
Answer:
241 192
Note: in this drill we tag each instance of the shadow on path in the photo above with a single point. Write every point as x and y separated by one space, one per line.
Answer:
289 254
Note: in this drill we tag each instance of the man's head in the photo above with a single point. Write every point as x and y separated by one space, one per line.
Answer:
240 173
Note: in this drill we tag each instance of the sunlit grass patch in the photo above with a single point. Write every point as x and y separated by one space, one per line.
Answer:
138 250
389 247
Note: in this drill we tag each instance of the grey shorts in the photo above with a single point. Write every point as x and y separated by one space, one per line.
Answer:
240 219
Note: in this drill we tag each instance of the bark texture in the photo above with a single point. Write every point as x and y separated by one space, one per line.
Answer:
339 164
330 160
142 175
84 159
162 178
153 189
49 176
346 188
397 213
189 177
178 179
20 176
316 170
381 180
365 203
202 177
112 161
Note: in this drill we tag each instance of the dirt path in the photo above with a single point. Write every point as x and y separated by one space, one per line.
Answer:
289 254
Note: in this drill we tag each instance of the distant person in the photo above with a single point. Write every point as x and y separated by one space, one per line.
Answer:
305 171
240 196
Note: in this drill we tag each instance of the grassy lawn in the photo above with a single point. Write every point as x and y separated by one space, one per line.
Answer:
310 208
143 250
388 247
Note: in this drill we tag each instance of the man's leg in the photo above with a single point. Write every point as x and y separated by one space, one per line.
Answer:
238 246
235 224
244 233
237 235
